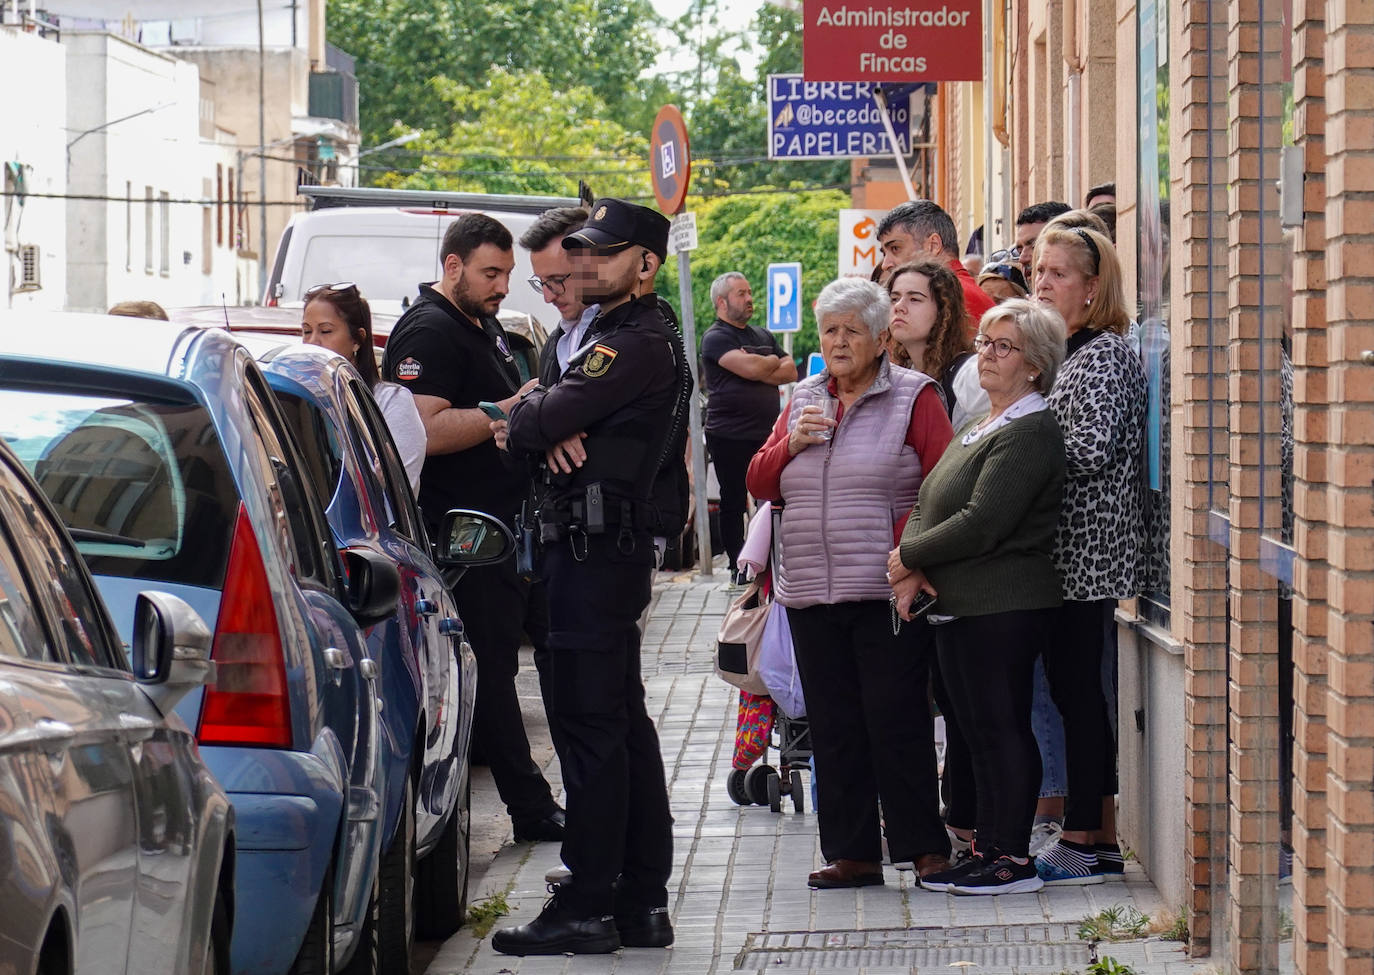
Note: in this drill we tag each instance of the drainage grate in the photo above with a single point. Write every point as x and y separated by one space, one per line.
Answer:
1022 947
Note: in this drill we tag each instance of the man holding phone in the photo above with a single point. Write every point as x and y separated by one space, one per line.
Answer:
450 351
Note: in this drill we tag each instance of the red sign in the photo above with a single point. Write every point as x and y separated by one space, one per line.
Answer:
670 159
892 40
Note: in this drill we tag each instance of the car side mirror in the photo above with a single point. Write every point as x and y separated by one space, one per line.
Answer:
171 648
468 538
374 585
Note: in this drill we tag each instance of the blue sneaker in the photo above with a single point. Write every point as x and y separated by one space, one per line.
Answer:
1065 864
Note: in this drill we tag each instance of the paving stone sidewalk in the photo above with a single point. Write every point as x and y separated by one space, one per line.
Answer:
738 893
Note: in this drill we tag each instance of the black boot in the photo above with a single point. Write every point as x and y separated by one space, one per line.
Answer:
644 927
559 929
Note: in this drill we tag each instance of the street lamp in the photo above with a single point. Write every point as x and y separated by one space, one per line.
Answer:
400 140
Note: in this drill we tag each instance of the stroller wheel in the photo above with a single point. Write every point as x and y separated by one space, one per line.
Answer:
756 783
798 803
735 787
775 793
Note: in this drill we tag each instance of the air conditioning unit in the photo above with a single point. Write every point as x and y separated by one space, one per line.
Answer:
29 276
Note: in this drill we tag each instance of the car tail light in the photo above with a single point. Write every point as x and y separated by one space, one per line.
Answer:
247 704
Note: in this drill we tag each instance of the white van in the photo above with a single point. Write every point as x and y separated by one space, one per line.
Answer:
387 242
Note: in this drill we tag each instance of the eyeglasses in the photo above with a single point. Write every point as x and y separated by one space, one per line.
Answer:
1001 348
340 286
556 283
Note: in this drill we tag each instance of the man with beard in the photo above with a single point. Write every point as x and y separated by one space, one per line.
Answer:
623 399
449 350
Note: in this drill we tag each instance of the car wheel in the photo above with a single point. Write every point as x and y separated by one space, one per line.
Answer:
441 881
217 952
316 956
396 924
367 953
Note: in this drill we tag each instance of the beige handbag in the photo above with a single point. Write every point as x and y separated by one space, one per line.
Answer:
741 638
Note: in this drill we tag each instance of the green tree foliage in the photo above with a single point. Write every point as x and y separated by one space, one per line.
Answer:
746 233
400 45
515 134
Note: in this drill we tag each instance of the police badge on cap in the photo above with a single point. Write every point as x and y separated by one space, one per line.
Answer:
615 224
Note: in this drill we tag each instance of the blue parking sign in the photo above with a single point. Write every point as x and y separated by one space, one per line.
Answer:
814 363
784 297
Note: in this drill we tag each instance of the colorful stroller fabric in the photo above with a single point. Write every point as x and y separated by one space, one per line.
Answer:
755 724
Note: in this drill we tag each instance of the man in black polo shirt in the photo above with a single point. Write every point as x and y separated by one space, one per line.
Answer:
449 350
743 366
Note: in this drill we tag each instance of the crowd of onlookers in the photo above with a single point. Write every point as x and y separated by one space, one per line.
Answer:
961 510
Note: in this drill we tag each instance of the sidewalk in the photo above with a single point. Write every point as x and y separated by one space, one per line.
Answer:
738 893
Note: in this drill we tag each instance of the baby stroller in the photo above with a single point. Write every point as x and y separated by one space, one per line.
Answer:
761 720
762 784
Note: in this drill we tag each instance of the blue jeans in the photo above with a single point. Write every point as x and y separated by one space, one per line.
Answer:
1049 735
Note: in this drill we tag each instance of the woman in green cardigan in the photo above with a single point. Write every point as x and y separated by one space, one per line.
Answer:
982 541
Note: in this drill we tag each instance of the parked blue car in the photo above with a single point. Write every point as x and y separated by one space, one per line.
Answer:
165 452
428 671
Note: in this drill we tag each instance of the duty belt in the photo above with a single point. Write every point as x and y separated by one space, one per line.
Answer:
577 518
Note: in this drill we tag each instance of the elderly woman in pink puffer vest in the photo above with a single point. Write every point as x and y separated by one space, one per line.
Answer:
846 458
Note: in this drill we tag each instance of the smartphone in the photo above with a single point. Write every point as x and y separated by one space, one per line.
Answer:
492 410
921 604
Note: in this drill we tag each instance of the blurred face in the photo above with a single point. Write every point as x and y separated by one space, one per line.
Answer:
1059 282
322 325
913 309
849 349
553 267
1005 377
1025 244
483 280
738 304
606 276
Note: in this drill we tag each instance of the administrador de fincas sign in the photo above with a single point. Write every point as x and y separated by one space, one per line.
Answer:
916 40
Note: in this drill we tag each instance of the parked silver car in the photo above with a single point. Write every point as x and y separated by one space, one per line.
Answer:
116 843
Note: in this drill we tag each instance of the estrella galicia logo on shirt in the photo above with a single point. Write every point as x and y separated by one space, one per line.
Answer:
598 361
503 345
408 368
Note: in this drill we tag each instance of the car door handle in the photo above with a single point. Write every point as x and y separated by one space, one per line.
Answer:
449 626
426 607
53 734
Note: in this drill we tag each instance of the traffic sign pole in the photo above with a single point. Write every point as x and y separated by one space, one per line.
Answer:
670 168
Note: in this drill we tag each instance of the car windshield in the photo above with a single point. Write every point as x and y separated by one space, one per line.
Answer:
143 487
388 268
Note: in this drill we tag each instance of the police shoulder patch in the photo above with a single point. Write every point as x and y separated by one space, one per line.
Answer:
598 361
408 368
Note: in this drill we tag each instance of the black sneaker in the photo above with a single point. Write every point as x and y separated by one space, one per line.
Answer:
964 861
999 875
559 929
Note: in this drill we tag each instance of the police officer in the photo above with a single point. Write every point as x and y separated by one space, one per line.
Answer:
621 402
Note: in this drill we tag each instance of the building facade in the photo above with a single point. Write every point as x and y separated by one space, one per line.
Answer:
1240 137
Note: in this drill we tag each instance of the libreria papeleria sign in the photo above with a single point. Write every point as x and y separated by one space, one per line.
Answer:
919 40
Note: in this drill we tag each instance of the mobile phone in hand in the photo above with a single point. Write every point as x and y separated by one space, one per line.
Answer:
493 411
921 604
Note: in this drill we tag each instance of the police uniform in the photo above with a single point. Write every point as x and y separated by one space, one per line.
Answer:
625 390
437 350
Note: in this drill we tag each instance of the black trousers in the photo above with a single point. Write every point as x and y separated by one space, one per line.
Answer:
1073 666
957 787
872 734
987 663
731 458
619 840
499 609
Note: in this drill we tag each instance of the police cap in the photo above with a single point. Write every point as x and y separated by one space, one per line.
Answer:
615 224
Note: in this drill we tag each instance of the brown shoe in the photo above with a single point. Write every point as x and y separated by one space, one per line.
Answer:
929 863
847 873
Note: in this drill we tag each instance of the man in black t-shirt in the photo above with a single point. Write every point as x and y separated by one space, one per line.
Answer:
742 366
449 350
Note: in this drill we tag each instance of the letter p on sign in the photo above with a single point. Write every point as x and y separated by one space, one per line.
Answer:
784 297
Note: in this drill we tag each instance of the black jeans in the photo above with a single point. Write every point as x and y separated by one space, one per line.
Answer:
499 609
987 663
732 458
619 841
957 787
1073 666
872 734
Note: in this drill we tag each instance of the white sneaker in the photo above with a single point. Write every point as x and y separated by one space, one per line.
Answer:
1042 835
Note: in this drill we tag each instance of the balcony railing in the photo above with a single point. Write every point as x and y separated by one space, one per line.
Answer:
334 94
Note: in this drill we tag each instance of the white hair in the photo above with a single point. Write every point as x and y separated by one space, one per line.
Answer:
857 296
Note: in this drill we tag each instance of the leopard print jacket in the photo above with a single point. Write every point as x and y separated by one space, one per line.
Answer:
1099 399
